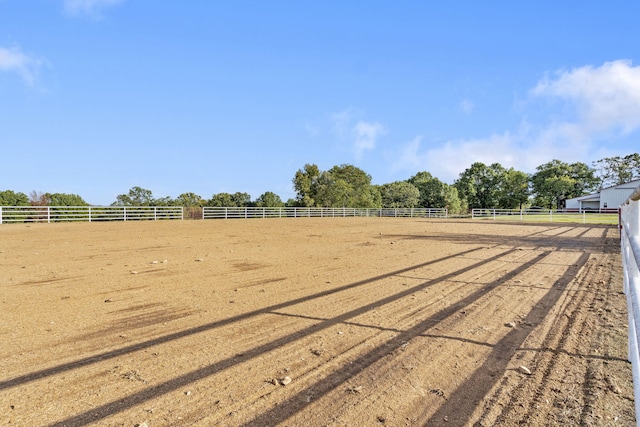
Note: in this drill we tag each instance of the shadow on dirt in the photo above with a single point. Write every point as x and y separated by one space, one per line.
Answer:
458 407
293 405
207 327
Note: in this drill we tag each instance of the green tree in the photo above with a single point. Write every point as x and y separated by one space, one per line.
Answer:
137 196
435 193
618 170
341 186
62 199
222 200
305 183
164 201
513 192
11 198
269 200
347 186
557 181
454 204
189 200
241 199
479 185
399 194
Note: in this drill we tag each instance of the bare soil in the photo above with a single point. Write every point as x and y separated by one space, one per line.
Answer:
312 322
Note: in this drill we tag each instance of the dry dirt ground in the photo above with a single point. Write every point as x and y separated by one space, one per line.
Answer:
312 322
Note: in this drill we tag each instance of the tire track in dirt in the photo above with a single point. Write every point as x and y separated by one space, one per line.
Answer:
566 370
296 403
462 404
19 380
181 381
408 339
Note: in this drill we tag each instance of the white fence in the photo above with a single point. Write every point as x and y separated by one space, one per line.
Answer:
600 217
289 212
630 244
87 213
9 214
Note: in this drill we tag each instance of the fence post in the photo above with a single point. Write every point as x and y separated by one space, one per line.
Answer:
124 213
629 218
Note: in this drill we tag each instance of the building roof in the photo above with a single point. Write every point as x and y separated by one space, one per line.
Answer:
631 185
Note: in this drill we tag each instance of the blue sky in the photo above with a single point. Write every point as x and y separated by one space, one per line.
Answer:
98 96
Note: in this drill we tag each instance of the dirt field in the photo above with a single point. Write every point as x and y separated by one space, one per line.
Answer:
312 322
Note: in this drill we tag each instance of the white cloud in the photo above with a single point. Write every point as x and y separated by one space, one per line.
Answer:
446 161
366 134
361 135
605 98
342 121
604 103
13 60
91 8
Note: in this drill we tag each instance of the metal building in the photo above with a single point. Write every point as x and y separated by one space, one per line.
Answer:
605 199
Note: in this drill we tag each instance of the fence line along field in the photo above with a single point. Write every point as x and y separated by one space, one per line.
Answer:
312 321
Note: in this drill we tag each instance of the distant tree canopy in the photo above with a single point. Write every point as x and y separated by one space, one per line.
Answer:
11 198
479 186
269 200
618 170
399 194
137 196
62 199
340 186
237 199
493 186
556 181
189 200
435 193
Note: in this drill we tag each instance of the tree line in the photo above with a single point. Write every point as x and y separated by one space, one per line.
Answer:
479 186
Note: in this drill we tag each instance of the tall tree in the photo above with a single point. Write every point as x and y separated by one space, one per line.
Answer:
222 200
479 185
557 181
189 200
618 170
241 199
341 186
269 200
137 196
62 199
435 193
305 184
11 198
351 187
399 194
514 189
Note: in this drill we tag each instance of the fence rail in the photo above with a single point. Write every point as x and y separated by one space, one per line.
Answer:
630 247
290 212
14 214
87 213
609 216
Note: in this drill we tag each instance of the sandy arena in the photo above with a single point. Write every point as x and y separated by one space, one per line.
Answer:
312 322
